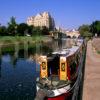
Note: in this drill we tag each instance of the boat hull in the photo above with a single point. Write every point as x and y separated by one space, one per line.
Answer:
64 96
60 94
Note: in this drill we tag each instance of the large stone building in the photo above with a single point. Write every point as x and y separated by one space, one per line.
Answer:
42 19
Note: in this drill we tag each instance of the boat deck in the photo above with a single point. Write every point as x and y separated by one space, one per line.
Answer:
52 82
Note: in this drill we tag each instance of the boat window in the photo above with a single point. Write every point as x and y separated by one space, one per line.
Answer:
73 68
53 66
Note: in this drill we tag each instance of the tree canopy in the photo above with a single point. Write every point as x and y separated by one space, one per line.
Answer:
3 31
13 29
12 26
90 30
22 29
95 28
85 31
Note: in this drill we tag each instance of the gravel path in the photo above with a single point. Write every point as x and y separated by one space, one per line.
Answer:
91 89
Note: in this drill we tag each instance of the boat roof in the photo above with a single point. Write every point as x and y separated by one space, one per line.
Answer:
69 51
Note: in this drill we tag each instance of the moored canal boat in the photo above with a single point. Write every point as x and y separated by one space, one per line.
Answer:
58 72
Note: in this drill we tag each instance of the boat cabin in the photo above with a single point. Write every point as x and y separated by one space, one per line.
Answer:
62 64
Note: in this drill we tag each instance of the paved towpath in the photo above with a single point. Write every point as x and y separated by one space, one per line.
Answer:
91 88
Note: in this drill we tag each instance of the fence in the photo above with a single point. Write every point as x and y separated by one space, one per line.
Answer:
78 88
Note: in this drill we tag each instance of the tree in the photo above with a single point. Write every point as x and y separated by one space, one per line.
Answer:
95 28
12 26
22 29
36 31
45 30
30 29
3 31
85 31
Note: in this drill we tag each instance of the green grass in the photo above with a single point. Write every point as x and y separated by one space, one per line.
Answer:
12 39
98 52
32 47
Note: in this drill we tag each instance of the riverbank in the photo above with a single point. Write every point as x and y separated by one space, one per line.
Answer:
9 40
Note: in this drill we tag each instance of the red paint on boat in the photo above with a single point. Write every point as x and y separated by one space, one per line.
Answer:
68 72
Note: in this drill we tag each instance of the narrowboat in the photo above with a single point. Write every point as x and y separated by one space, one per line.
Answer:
58 72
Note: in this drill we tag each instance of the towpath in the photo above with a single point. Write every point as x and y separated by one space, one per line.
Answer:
91 88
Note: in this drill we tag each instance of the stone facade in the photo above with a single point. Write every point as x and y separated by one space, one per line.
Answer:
42 19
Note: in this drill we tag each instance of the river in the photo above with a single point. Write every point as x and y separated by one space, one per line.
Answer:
19 69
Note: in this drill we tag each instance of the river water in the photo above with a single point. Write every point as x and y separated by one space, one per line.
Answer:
19 69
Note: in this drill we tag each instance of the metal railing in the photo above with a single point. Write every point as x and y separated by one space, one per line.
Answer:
79 80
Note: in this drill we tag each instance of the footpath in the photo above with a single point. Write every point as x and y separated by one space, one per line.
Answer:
91 88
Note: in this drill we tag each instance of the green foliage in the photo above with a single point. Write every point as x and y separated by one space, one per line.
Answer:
12 21
98 52
22 29
40 31
45 31
85 31
3 31
36 31
95 28
7 40
90 30
30 29
12 27
87 34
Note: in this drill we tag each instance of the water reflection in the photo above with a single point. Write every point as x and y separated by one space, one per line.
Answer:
0 68
19 69
19 81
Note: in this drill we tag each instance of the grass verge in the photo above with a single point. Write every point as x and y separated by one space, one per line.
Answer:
4 40
98 52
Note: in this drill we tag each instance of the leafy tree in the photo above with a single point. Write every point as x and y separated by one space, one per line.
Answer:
30 29
45 30
22 29
3 31
12 26
95 28
36 31
85 31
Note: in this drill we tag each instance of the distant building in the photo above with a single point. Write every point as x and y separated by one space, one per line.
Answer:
42 19
71 33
